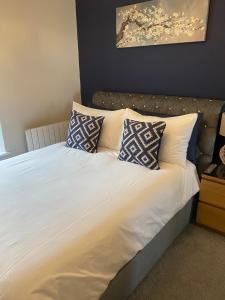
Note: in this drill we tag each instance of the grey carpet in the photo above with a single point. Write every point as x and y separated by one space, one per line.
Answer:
193 268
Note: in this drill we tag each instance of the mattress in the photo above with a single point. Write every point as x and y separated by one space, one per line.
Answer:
69 220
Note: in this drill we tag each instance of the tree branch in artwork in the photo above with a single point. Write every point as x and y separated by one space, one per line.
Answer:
141 25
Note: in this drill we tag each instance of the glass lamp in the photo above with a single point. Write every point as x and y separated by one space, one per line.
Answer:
222 132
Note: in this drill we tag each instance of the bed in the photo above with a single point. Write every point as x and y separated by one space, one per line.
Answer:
96 235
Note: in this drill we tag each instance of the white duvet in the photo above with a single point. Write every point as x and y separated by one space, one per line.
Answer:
70 220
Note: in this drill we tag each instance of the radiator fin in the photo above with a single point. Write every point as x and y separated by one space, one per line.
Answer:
46 135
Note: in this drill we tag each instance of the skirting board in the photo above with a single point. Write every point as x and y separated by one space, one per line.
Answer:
134 272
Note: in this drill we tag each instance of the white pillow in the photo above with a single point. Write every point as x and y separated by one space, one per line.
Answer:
175 138
112 128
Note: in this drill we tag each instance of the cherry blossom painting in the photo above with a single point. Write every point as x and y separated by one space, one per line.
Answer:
158 22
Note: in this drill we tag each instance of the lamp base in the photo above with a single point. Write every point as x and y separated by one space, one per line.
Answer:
222 154
220 171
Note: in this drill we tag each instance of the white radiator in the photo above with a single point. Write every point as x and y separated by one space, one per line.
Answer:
46 135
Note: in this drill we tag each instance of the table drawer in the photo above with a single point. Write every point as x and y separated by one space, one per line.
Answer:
210 216
212 193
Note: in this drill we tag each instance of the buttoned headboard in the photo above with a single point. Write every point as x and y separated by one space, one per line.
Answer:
210 108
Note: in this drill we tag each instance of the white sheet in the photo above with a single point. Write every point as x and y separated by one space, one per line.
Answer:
70 220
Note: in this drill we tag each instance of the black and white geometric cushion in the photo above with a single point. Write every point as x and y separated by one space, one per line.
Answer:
141 142
84 132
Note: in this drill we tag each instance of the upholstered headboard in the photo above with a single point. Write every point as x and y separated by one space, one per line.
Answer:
210 108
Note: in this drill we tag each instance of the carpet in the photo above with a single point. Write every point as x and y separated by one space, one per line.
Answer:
193 268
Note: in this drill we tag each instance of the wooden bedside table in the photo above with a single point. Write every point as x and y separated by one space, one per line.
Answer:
211 207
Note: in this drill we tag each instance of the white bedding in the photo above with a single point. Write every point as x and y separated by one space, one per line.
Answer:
70 220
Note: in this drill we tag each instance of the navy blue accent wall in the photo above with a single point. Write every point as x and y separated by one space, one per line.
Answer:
196 69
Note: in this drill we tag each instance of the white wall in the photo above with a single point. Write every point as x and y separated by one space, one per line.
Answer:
39 68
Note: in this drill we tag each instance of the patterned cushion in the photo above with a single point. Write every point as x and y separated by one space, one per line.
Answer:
141 143
192 151
84 132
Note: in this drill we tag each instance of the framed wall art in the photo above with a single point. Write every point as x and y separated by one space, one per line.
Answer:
159 22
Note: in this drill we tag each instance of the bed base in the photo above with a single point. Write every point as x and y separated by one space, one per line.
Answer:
131 275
